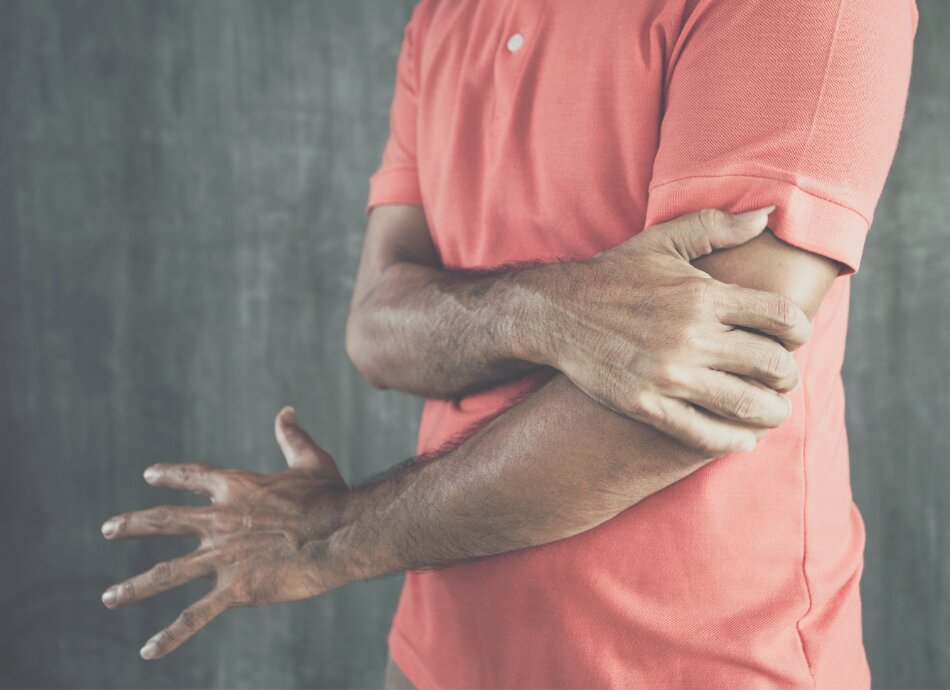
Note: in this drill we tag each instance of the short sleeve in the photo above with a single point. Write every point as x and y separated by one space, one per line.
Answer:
797 104
396 180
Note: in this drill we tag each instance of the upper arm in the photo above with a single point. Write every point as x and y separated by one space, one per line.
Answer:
767 263
798 108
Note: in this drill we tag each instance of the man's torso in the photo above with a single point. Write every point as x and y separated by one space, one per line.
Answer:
746 572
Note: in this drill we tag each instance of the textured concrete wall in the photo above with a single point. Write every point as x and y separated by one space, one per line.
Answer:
897 381
181 195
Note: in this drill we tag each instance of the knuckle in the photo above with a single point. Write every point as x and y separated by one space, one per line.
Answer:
160 516
780 365
745 406
226 521
783 311
710 218
127 591
697 296
161 573
699 289
167 638
665 375
643 406
238 595
693 338
189 618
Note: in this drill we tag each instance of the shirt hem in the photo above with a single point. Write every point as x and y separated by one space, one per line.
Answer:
408 660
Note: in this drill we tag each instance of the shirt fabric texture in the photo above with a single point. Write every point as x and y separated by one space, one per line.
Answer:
610 116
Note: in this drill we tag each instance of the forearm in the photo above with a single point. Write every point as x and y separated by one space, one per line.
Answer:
445 334
553 466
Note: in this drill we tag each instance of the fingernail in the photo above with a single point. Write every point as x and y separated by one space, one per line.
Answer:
751 215
292 414
109 528
109 597
150 474
149 651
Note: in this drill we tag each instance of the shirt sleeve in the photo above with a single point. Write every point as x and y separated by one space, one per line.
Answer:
797 104
396 180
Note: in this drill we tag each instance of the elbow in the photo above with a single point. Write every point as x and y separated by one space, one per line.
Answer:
362 353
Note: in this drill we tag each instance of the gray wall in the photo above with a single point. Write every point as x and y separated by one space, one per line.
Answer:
181 195
897 381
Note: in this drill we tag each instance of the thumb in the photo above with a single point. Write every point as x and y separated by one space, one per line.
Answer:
297 446
697 234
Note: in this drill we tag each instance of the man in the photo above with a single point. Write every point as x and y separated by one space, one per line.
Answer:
618 483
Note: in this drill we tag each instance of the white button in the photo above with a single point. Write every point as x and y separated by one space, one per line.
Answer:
515 42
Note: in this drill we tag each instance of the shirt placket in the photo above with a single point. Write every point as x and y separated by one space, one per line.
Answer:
516 45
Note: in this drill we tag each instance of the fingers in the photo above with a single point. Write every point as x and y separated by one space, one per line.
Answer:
295 443
198 477
160 578
757 357
190 621
172 521
767 312
738 399
698 429
697 234
298 448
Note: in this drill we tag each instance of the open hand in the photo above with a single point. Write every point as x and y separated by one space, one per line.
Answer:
265 539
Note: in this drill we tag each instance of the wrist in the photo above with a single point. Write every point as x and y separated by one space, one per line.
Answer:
533 311
340 555
356 549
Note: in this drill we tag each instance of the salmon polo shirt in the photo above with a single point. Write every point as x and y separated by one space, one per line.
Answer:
555 129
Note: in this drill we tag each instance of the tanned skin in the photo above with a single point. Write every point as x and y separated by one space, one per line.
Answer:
637 328
555 464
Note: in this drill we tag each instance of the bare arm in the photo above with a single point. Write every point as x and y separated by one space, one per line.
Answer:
637 328
555 465
416 327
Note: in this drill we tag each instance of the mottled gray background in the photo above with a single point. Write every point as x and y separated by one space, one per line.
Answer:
181 212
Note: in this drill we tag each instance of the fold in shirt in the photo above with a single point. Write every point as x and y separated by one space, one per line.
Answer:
609 116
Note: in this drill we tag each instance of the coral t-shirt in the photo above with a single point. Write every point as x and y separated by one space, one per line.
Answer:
543 129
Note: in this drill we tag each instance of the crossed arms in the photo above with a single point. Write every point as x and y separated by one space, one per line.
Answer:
643 335
656 366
